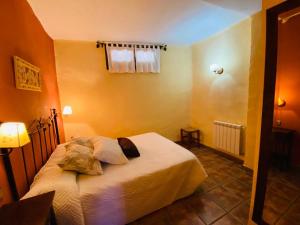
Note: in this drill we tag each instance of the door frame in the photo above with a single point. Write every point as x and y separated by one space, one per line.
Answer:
268 104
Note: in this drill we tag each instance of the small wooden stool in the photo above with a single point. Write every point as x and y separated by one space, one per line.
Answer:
190 136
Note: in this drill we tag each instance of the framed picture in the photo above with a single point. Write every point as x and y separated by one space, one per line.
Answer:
27 76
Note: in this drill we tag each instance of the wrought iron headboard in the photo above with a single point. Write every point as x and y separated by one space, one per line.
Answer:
44 136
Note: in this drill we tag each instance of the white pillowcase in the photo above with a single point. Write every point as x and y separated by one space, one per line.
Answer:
80 158
108 150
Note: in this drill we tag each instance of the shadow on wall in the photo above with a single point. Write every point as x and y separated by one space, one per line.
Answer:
223 91
222 84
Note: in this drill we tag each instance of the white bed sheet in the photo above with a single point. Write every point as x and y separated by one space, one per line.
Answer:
162 174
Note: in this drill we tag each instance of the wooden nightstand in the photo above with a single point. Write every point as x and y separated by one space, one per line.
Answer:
32 211
190 136
282 139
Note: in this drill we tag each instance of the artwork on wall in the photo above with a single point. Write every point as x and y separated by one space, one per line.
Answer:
27 76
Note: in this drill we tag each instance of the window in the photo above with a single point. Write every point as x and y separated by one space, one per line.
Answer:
121 55
147 59
120 59
131 59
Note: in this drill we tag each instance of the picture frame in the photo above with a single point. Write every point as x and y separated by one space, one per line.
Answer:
27 76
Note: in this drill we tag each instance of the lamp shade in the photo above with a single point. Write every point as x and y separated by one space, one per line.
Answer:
13 135
67 110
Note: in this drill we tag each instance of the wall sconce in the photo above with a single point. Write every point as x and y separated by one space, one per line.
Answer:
12 135
281 102
67 110
215 68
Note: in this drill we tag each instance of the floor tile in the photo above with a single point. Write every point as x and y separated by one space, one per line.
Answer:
159 217
283 190
294 212
238 189
179 214
223 168
220 177
241 212
276 202
290 177
208 184
210 170
245 178
206 208
270 215
224 198
286 221
227 220
275 207
235 171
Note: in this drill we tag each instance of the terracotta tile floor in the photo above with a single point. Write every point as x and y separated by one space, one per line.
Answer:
282 203
223 198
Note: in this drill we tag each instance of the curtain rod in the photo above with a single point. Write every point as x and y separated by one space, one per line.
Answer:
101 44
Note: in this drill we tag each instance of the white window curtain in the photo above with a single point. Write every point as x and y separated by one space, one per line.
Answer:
147 59
120 59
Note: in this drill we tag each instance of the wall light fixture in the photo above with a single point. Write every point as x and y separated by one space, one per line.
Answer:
67 110
215 68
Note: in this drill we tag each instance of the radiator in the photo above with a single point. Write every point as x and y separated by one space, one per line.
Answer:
227 137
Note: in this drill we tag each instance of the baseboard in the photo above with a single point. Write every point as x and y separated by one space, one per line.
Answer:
223 154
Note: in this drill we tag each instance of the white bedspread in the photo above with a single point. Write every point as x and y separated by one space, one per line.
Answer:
66 203
162 174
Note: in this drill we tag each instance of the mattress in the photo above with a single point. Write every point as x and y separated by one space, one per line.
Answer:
162 174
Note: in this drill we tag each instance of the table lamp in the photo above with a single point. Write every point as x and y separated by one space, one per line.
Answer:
12 135
280 104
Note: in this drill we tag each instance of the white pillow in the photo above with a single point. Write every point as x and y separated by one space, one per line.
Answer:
80 159
108 150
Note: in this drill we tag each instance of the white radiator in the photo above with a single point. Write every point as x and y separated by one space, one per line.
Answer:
227 137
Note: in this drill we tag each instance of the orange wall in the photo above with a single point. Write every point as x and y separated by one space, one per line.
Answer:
22 35
288 80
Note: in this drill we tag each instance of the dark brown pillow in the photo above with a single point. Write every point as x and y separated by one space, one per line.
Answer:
128 147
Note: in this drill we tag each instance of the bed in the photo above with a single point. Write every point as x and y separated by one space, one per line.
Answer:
162 174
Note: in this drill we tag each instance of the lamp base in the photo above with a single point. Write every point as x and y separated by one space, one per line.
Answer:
4 152
278 123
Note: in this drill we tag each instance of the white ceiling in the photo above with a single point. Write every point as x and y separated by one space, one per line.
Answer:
168 21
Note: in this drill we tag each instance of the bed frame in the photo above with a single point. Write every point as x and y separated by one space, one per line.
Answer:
44 136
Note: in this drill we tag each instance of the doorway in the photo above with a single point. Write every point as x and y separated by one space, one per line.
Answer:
272 162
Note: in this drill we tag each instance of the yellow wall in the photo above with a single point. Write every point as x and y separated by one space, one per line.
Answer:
221 97
122 104
266 4
256 80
